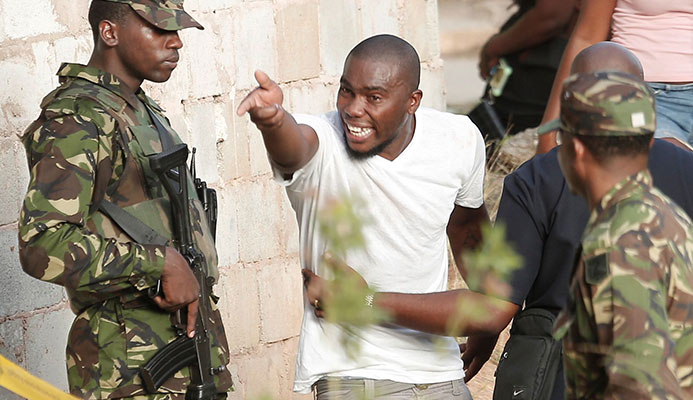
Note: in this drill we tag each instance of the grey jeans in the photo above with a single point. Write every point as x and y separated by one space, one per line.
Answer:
369 389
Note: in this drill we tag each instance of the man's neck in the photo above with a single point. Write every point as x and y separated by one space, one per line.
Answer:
404 138
604 178
101 62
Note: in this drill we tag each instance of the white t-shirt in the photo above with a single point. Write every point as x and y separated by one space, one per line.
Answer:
407 204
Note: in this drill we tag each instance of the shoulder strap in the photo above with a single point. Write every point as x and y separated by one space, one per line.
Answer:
164 134
534 321
133 226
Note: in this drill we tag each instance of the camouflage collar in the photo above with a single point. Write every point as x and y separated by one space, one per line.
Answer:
626 188
103 79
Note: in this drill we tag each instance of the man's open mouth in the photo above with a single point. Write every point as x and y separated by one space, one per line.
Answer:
359 132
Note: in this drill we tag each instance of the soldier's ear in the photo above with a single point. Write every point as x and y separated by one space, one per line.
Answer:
582 156
108 33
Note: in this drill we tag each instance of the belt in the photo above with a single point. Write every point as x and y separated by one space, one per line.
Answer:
138 299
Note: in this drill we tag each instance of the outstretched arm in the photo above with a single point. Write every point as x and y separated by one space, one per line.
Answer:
593 26
428 312
435 312
290 145
460 312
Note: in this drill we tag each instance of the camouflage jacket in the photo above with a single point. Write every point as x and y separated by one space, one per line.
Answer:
627 325
90 143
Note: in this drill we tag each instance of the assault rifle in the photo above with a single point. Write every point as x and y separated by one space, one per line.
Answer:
207 196
171 167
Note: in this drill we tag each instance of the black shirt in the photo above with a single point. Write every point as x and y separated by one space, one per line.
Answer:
545 223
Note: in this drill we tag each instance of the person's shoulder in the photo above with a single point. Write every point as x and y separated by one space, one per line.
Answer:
80 97
670 166
327 121
667 158
662 208
647 227
445 130
663 152
72 100
648 215
326 126
541 173
618 220
444 120
541 164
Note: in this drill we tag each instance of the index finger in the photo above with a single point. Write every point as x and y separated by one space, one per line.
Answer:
247 103
472 370
192 317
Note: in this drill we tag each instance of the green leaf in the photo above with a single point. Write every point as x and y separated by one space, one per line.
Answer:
342 227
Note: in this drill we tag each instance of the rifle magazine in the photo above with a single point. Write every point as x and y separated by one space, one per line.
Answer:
166 362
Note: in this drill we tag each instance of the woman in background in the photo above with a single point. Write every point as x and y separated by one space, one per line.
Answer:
660 34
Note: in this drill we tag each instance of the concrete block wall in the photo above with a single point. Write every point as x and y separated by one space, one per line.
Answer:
302 45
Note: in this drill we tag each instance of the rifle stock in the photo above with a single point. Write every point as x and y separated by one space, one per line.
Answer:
195 353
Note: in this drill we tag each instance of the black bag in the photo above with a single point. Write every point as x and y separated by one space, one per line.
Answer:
530 360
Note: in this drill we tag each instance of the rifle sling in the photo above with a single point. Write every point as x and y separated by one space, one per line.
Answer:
164 134
133 226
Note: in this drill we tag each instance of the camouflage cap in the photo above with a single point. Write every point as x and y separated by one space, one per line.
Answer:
168 15
605 103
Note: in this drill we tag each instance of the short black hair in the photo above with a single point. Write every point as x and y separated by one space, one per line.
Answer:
100 10
391 47
604 148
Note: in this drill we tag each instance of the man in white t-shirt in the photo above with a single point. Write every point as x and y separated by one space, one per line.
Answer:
419 173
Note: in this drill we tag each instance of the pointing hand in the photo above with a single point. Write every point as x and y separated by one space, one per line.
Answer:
263 103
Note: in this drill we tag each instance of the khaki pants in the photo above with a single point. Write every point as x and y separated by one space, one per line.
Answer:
167 396
369 389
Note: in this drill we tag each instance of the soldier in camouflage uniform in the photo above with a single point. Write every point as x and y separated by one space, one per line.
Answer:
90 146
627 328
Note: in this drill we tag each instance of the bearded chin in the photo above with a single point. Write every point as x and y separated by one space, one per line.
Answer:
362 155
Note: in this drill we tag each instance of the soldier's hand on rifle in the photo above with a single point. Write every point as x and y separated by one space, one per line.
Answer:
264 103
180 287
